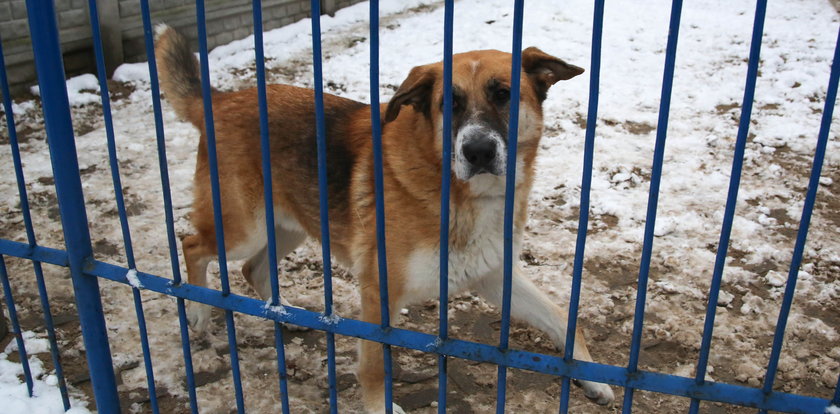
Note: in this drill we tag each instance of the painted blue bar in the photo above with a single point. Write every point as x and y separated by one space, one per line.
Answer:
810 199
836 400
144 345
547 364
732 197
653 196
376 132
446 180
30 232
109 131
167 200
585 187
115 178
13 142
10 305
38 254
259 59
321 140
148 36
210 134
510 189
187 351
50 67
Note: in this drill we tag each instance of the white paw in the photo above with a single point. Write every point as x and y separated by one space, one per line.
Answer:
288 326
198 316
396 409
601 394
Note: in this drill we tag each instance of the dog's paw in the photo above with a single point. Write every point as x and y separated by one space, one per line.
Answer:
396 409
601 394
294 328
288 326
198 316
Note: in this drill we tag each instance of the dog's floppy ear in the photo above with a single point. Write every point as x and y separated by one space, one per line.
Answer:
545 70
416 90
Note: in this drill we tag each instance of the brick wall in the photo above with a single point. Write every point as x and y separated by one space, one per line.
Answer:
122 29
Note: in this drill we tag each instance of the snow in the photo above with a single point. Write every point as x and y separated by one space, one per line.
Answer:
33 343
332 319
279 310
132 73
81 90
131 275
797 48
46 397
832 409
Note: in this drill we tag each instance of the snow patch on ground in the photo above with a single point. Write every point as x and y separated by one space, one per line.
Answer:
81 90
46 397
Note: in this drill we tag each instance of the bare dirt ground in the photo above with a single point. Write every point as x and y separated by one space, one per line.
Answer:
680 270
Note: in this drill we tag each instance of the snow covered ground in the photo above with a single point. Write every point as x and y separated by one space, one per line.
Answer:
708 87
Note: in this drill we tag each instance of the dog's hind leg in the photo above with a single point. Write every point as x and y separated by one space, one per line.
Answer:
197 254
531 305
256 270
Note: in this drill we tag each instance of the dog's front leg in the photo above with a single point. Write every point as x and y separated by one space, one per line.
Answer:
371 363
531 305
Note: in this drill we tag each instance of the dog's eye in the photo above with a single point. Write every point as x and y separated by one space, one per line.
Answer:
501 96
456 104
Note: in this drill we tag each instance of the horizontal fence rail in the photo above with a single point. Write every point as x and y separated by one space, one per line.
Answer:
85 271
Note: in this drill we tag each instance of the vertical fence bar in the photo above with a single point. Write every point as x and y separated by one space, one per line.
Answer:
161 141
68 186
653 196
271 245
810 199
732 197
115 178
836 400
10 304
376 130
210 134
167 201
446 177
30 231
585 188
510 189
321 140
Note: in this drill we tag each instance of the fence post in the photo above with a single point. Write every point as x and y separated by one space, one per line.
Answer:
112 41
68 186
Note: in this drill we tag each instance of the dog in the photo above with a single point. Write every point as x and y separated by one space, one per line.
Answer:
412 131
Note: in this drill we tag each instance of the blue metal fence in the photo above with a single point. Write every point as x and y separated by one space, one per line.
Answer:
86 271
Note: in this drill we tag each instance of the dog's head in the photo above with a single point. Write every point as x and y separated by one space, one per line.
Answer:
481 83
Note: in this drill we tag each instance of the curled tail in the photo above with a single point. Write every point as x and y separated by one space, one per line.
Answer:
179 74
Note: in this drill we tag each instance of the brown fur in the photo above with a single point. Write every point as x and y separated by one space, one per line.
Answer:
412 171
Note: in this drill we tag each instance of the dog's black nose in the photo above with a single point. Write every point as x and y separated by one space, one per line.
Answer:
480 153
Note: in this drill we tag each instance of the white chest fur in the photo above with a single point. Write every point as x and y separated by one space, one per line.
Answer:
481 254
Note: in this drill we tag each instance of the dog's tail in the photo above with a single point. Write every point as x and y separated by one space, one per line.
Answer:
179 74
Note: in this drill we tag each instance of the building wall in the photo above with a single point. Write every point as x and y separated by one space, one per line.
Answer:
122 29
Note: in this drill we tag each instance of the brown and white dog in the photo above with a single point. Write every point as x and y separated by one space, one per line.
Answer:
411 145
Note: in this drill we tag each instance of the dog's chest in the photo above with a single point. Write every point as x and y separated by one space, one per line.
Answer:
476 249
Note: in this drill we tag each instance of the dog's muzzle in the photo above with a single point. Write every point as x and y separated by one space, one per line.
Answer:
480 154
479 150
